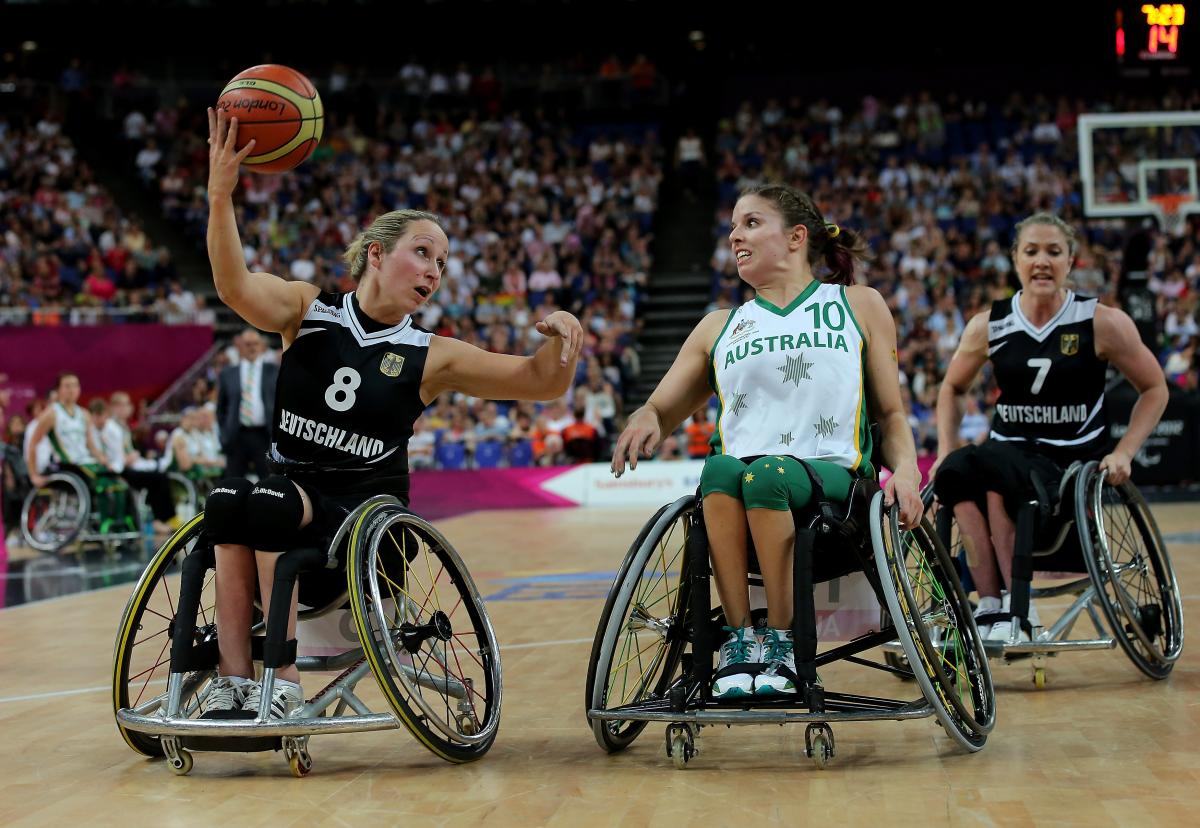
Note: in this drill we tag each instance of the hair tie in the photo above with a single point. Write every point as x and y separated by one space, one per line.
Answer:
833 230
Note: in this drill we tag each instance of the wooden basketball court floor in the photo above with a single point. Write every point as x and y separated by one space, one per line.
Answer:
1101 745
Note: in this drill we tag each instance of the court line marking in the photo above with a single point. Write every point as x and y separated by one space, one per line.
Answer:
56 694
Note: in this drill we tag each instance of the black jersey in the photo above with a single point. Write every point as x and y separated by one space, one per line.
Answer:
1051 381
347 398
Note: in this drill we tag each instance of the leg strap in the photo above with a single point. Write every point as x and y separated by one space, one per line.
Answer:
1022 567
804 613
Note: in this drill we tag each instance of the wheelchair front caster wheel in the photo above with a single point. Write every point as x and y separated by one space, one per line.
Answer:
819 745
181 763
681 744
1039 678
300 764
298 758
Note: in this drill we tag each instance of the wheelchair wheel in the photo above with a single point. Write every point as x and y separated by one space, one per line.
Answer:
932 618
425 632
142 659
1128 563
183 495
53 515
640 640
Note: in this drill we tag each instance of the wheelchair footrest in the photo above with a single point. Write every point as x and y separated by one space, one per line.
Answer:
232 744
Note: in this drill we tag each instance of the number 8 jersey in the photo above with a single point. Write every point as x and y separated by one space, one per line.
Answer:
348 395
1051 381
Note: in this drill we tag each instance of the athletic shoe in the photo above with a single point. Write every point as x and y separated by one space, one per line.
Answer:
988 605
738 654
285 698
780 676
226 697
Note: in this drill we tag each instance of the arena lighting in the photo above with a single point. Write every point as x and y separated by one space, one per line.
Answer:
29 46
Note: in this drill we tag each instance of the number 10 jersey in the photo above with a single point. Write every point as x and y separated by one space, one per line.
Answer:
348 395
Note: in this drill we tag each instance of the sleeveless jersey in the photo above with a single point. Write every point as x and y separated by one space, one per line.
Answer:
1051 381
347 397
69 436
790 381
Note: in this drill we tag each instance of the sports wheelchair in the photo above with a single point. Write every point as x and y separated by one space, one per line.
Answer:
1090 527
652 657
420 627
68 509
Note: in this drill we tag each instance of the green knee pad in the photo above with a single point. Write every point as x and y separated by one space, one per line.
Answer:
782 484
722 473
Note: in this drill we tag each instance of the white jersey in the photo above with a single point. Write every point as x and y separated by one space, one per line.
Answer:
791 381
115 443
69 436
168 461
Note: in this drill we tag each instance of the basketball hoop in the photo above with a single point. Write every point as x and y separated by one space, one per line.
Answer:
1168 208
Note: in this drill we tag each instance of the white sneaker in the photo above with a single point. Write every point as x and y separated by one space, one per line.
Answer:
1003 631
780 676
742 650
285 698
226 695
988 604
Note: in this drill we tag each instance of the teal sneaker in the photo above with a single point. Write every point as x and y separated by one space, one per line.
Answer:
741 654
779 678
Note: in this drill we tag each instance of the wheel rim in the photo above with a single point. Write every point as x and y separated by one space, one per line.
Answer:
926 582
55 513
143 652
427 618
1135 571
641 637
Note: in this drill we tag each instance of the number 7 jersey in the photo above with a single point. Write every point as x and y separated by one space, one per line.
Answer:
1051 381
348 395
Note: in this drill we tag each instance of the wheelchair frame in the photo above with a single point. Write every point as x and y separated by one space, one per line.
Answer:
83 526
166 724
1086 485
682 699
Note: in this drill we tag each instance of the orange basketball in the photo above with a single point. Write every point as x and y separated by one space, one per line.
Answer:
280 109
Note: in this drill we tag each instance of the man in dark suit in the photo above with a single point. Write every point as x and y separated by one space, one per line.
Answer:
245 404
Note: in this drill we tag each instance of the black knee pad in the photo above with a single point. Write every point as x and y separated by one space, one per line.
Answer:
274 510
225 510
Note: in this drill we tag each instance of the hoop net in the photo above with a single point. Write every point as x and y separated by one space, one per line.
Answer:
1171 218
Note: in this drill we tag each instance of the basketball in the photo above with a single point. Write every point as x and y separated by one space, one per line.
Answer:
280 109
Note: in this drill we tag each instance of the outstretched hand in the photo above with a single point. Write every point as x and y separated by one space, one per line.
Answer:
224 159
567 327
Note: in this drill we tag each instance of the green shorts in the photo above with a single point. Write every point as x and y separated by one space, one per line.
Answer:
772 482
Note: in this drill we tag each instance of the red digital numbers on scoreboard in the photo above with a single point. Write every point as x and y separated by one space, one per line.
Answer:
1151 32
1163 23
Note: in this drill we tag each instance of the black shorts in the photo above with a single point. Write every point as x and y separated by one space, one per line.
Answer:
1008 468
330 510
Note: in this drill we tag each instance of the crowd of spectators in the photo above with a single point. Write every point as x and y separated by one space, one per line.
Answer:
67 252
936 186
545 212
